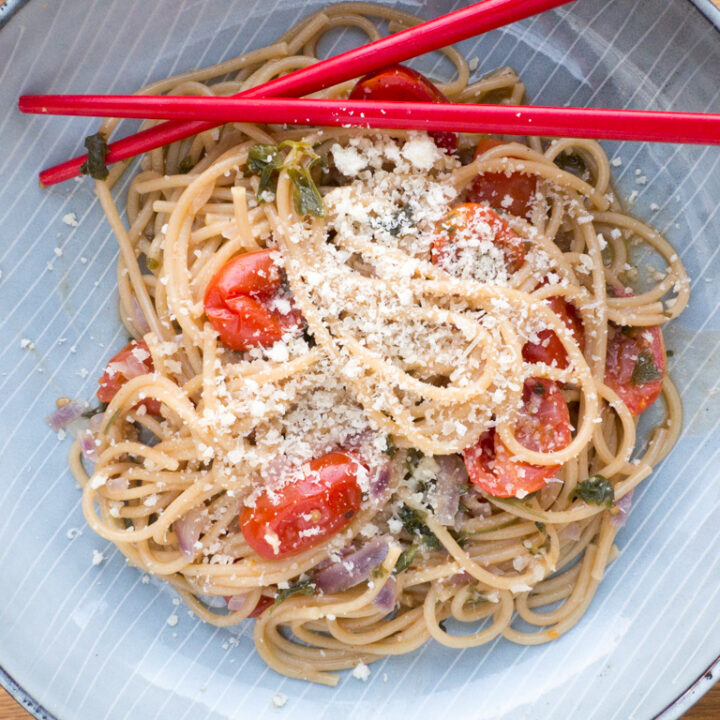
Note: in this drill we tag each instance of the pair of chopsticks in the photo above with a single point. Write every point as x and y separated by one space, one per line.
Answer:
191 115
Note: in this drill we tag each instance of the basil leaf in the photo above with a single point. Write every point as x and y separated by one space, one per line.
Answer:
95 165
412 459
390 447
413 523
405 559
399 222
645 370
596 490
261 157
306 196
305 587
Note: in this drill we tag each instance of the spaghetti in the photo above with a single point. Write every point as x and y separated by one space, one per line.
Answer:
406 306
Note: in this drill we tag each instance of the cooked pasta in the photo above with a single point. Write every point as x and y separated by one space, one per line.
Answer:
326 323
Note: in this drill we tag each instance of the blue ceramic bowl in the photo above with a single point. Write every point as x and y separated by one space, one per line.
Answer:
80 641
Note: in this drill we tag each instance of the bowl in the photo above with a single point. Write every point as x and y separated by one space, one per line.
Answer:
83 635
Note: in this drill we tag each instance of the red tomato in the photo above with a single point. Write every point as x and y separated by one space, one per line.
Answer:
491 188
238 299
550 350
543 425
122 367
398 82
635 365
466 218
304 513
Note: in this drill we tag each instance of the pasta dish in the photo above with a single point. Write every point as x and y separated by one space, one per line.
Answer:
382 387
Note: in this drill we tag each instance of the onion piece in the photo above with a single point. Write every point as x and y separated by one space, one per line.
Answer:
623 505
237 602
451 478
187 528
138 317
63 416
354 568
387 597
380 480
571 532
80 430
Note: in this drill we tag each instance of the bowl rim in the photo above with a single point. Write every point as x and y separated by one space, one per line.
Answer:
674 710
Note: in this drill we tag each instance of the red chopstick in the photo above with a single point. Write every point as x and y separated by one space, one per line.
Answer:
445 30
640 125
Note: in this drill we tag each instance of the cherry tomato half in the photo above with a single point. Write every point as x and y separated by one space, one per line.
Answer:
398 82
471 218
635 365
133 360
304 513
549 349
543 425
493 188
239 302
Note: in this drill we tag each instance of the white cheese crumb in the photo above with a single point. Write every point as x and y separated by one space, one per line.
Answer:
421 151
473 63
279 700
58 252
361 671
97 557
616 162
27 344
72 533
70 219
172 621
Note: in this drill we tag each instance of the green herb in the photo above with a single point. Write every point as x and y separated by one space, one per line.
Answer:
186 165
541 527
390 447
305 587
306 196
596 490
539 389
152 263
405 559
265 161
111 421
645 370
669 353
95 410
399 222
413 522
95 165
412 460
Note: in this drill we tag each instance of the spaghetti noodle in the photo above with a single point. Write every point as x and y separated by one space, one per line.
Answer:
414 326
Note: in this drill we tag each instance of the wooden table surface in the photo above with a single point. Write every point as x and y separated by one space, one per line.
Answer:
707 709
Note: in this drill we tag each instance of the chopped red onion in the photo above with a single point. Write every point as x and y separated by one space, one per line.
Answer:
96 422
571 532
138 317
237 602
80 430
63 416
117 484
187 529
623 505
387 597
88 446
353 568
451 478
380 480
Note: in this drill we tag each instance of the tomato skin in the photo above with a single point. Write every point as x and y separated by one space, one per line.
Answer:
237 302
111 382
492 187
624 346
322 502
466 215
549 349
543 425
397 82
